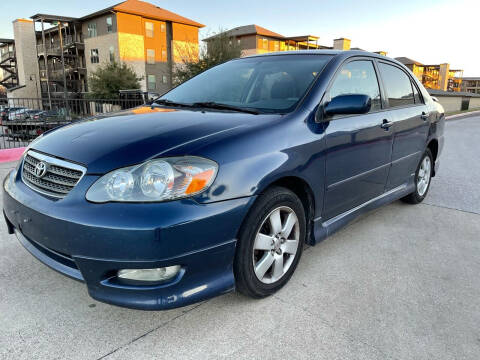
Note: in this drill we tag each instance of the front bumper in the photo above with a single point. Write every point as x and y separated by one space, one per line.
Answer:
91 242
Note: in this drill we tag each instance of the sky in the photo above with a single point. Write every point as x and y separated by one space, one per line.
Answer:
428 31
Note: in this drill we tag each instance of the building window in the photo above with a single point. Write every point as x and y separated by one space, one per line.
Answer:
109 24
150 56
151 82
265 44
239 41
162 27
94 59
276 46
111 52
149 29
164 79
164 54
92 29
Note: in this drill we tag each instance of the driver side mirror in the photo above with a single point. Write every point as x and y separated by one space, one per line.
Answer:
348 105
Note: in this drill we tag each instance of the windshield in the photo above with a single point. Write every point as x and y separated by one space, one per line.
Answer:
267 83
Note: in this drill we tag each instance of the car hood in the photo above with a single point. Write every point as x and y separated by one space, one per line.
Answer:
130 137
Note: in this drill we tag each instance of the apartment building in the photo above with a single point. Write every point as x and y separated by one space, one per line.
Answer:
471 85
254 39
437 77
66 50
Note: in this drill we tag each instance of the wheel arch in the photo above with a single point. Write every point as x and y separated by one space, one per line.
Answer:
303 190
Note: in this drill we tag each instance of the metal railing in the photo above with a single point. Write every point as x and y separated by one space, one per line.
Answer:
7 55
22 120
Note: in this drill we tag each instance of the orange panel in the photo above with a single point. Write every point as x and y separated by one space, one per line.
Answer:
186 33
159 40
185 42
131 27
130 24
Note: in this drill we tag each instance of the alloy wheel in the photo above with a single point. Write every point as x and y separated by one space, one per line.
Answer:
424 175
276 243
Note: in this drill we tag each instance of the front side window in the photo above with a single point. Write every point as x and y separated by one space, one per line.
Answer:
357 78
109 24
149 29
397 85
151 82
150 56
92 30
94 58
273 84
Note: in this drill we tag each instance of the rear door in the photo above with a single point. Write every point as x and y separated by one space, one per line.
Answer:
409 115
358 147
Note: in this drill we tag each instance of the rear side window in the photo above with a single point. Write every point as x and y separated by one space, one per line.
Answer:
357 77
397 85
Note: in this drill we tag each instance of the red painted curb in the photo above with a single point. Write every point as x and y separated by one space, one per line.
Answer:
8 155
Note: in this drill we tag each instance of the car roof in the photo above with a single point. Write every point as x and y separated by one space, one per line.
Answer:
344 53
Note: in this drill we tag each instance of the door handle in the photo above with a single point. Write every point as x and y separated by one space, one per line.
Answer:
386 124
424 116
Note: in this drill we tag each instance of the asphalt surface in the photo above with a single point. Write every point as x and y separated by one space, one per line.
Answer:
402 282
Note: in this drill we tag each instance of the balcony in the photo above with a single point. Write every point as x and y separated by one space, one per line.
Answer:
57 74
51 49
54 48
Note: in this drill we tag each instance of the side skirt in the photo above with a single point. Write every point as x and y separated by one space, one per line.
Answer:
328 227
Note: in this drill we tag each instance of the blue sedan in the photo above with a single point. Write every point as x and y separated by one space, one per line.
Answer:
217 184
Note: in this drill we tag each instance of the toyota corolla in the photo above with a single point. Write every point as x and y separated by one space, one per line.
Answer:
217 184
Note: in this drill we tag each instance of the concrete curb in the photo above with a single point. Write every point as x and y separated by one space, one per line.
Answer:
462 114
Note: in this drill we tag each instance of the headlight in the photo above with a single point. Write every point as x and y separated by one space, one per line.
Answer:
8 181
155 180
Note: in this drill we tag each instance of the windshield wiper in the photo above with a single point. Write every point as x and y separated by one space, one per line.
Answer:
219 106
167 102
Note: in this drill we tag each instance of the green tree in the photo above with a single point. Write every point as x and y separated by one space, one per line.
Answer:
109 78
220 48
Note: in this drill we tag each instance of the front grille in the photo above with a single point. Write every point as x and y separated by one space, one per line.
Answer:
59 178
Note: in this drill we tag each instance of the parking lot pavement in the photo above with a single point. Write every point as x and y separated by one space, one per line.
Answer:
399 283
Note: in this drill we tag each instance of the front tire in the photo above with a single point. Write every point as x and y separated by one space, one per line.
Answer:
270 243
423 177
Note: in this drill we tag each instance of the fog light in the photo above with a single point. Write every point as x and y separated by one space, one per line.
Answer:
157 274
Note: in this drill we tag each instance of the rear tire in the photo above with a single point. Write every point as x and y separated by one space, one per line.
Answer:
270 243
423 178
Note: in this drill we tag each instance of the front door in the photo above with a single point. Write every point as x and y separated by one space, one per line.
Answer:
359 147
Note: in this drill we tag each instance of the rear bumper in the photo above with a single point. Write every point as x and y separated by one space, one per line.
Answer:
91 242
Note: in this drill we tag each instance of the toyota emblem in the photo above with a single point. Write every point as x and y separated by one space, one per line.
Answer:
40 169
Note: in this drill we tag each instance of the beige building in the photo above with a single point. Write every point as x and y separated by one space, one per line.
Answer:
254 39
471 85
55 54
436 77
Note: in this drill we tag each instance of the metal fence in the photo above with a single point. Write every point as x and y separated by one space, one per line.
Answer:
22 120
